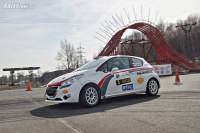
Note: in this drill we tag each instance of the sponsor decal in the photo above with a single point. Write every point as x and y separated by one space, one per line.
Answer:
139 73
168 67
162 72
68 95
140 80
162 68
167 71
123 81
144 72
122 75
65 91
127 74
127 87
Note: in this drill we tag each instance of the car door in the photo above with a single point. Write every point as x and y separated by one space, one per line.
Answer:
138 74
121 81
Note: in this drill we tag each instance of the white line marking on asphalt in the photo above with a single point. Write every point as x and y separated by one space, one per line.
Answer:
59 119
69 125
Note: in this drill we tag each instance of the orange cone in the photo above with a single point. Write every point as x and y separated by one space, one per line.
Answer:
177 79
28 86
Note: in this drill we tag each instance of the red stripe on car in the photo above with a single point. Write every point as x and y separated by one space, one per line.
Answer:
134 69
57 83
102 80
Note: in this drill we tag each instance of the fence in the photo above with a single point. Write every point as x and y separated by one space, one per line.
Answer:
19 82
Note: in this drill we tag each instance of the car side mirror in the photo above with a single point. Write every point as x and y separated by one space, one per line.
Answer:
113 70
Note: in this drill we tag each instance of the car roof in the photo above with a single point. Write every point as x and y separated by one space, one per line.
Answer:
108 57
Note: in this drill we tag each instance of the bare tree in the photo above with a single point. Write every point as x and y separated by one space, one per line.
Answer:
67 55
20 76
161 25
179 39
3 80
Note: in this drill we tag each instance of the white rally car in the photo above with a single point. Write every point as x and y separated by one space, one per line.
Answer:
104 77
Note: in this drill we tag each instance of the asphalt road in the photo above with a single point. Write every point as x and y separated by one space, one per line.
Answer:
174 109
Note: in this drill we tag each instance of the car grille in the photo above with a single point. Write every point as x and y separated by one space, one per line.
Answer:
51 91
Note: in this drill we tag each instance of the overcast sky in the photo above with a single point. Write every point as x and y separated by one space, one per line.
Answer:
31 37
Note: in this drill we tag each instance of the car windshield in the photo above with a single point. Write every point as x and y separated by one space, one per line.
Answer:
92 64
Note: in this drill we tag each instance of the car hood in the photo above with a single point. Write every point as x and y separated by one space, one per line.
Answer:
58 81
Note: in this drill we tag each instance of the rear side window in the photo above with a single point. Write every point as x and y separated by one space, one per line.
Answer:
136 62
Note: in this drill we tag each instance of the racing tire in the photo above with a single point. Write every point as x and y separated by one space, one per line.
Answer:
152 87
90 95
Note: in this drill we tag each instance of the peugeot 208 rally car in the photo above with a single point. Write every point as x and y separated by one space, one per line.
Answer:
104 77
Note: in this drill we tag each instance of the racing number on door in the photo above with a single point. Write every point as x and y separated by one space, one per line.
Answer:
118 82
123 81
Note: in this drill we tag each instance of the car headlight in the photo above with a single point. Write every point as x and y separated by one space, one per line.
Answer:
71 80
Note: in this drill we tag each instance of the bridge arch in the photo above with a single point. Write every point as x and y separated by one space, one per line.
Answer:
160 45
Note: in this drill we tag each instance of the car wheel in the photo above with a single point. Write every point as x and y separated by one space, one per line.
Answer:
89 96
152 87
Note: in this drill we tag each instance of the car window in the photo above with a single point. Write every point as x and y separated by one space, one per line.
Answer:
136 62
103 68
119 62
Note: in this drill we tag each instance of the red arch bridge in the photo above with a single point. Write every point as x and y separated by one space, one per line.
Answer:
165 53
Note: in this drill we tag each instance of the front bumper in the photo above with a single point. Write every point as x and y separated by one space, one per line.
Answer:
56 95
